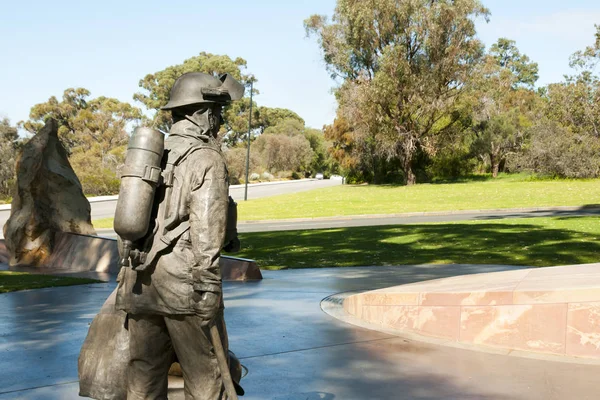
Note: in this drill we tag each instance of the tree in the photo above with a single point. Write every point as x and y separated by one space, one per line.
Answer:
157 86
84 122
64 112
8 133
566 142
294 127
355 152
507 55
499 136
555 151
565 139
94 132
502 90
402 66
236 117
273 116
9 143
283 152
575 103
321 161
283 147
102 126
236 163
262 119
289 127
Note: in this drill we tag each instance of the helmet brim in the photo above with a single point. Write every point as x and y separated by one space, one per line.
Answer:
200 88
172 105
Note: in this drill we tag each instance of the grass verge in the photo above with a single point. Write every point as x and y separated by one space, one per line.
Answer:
535 242
516 191
508 191
13 281
103 223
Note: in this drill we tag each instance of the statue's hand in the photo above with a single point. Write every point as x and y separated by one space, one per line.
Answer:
208 304
233 246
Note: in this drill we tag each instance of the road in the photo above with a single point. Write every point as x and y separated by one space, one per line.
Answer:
106 209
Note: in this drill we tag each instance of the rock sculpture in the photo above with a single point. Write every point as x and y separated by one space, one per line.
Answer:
48 199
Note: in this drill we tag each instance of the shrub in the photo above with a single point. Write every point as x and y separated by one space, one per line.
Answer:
236 163
283 174
104 182
280 152
267 176
451 165
556 152
7 168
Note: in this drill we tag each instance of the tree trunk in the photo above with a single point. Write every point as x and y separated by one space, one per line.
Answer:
495 161
409 176
374 168
409 151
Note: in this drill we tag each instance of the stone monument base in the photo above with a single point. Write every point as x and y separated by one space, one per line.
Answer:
545 310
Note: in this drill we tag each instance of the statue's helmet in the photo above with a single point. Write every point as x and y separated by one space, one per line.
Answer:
198 88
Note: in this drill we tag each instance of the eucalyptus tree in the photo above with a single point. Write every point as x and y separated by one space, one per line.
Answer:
9 142
400 66
505 102
94 132
157 86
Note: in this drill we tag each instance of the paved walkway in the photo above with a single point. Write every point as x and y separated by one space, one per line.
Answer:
293 350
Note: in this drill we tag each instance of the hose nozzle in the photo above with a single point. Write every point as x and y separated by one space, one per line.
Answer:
124 262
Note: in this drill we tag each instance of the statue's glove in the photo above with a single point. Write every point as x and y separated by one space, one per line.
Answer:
208 305
233 246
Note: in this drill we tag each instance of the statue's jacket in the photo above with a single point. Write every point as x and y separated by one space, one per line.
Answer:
165 284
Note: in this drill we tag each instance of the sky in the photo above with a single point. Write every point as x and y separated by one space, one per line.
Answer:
108 46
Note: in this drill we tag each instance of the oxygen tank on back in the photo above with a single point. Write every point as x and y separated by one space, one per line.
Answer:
139 178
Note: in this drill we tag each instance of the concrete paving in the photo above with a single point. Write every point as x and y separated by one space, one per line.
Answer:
293 350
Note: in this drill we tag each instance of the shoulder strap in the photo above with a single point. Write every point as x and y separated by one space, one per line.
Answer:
164 242
175 158
171 231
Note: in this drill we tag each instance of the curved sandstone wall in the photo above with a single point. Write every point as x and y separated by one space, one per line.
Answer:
549 310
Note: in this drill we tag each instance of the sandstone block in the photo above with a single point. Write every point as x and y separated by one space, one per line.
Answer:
48 199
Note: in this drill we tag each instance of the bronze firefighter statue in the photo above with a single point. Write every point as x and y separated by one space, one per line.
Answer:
171 218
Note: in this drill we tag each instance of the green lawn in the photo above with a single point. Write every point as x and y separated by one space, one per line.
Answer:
507 192
13 281
103 223
532 242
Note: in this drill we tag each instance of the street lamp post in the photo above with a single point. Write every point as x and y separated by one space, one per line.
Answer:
248 150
